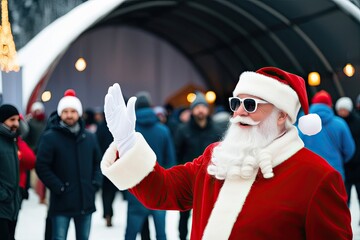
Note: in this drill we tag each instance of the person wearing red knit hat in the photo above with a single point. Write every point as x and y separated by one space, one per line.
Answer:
335 134
322 97
68 163
259 182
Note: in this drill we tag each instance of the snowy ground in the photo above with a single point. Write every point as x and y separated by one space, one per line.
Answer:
31 222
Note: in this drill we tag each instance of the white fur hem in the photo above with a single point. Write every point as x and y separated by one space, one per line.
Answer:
127 171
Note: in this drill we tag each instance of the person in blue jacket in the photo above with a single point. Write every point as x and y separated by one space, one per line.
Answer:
159 138
334 142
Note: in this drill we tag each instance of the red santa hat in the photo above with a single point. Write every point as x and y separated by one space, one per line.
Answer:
284 90
69 101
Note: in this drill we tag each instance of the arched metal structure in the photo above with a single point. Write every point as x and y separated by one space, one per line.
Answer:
223 38
301 36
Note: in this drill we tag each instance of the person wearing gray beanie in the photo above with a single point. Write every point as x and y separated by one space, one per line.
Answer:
343 106
199 99
143 100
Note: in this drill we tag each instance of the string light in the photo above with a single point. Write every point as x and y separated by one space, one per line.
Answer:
46 96
80 64
7 46
190 97
349 70
314 79
210 96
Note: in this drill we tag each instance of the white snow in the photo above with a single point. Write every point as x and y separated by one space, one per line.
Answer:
31 224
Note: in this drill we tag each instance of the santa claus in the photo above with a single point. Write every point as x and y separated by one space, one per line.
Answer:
259 182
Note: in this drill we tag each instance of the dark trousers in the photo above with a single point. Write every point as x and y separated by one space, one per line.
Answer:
108 195
48 227
145 232
348 185
7 229
60 226
183 224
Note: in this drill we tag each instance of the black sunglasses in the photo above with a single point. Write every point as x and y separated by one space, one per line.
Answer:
250 104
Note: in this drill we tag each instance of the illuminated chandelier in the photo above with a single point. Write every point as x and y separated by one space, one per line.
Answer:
7 46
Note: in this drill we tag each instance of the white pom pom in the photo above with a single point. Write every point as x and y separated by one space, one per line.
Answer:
310 124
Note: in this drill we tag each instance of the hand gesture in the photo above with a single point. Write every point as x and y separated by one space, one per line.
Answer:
120 118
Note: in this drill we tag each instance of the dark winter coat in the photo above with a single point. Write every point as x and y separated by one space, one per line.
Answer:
352 168
69 165
104 136
191 140
157 135
10 196
36 128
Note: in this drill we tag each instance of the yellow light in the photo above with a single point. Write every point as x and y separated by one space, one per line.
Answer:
46 96
191 97
80 64
8 60
314 79
210 96
349 70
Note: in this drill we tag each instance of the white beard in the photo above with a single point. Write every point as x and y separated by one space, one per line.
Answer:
238 153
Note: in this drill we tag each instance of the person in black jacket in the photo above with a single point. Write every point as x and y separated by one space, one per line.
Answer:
191 139
344 108
68 163
9 171
108 189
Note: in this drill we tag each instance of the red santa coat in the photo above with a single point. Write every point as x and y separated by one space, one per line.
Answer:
306 198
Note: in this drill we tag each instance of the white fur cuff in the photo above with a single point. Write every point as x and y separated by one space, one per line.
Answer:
127 171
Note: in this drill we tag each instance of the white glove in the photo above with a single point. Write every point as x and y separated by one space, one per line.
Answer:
120 118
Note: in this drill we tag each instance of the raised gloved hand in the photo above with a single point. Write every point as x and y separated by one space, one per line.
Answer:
120 118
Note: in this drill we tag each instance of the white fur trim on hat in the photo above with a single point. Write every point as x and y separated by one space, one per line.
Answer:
37 106
69 102
344 103
127 171
271 90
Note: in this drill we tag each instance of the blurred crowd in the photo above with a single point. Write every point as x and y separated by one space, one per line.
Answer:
59 153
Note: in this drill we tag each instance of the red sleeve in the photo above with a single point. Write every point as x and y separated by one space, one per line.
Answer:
169 189
173 189
28 158
328 215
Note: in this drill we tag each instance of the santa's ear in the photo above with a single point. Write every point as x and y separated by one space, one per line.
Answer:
282 117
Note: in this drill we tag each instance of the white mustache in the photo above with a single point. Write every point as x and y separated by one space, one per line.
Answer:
244 120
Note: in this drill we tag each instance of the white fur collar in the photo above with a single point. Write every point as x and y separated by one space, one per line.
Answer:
284 147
